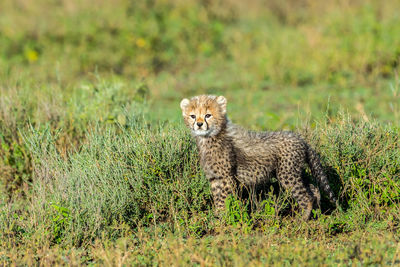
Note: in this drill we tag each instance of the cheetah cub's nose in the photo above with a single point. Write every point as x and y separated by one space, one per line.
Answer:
199 124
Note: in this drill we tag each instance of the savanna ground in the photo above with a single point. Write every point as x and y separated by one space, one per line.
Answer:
97 168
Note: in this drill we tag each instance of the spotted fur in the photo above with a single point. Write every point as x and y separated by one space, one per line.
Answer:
232 156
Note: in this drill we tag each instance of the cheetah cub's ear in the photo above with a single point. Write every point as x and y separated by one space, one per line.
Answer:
221 100
184 103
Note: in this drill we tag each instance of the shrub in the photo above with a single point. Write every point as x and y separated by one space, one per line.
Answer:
362 160
137 175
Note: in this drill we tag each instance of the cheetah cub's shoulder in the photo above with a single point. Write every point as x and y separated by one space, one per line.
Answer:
231 155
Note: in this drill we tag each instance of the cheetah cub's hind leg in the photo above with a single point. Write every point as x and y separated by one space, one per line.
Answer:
289 175
317 195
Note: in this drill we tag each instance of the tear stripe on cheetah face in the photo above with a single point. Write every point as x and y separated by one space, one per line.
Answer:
231 155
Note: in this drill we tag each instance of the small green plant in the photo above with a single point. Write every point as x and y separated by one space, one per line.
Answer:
237 214
268 208
61 220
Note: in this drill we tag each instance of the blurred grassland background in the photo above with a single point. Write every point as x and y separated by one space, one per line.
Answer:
96 166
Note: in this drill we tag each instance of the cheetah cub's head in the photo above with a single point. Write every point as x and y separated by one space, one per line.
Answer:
205 115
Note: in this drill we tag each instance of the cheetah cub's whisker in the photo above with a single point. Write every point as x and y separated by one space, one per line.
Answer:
231 155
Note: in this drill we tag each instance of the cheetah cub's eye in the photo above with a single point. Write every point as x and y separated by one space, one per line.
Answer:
193 116
208 116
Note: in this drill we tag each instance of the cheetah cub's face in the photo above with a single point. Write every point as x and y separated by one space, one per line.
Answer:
204 115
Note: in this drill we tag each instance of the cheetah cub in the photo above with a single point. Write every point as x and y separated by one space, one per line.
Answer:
231 155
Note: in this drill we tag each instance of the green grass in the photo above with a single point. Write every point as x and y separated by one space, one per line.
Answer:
96 166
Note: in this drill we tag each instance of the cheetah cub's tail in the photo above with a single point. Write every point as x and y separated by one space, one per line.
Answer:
319 174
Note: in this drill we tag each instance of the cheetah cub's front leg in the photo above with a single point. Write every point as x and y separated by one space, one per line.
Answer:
220 189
